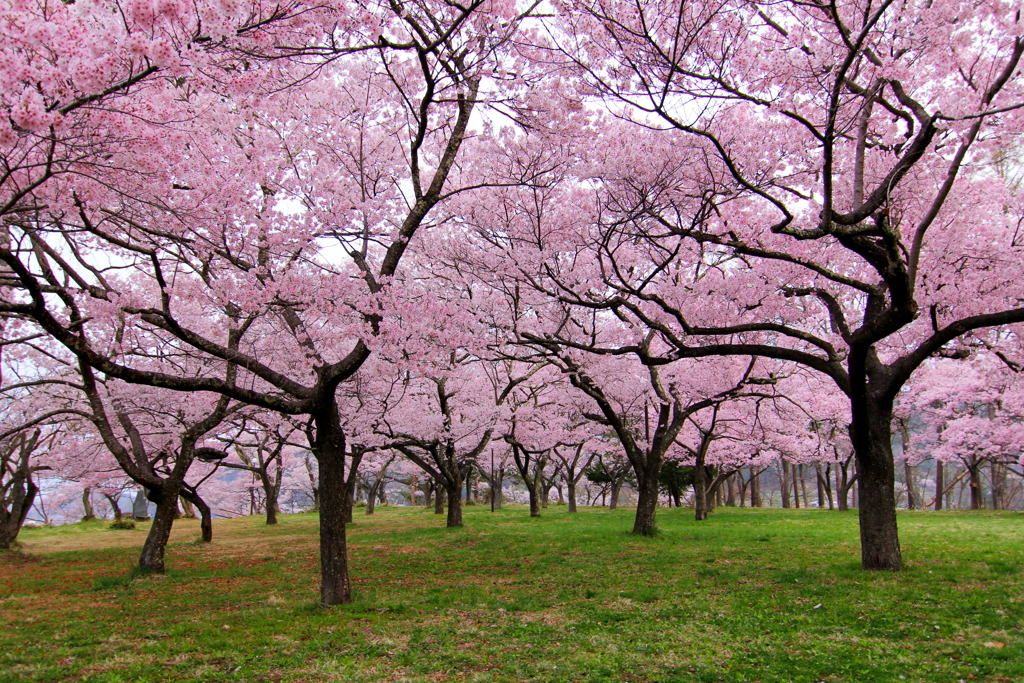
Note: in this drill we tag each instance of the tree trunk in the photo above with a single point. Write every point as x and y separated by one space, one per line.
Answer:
114 507
613 499
152 559
794 483
870 432
497 482
371 498
88 513
784 482
843 484
11 522
349 501
189 510
819 480
8 533
700 492
205 516
977 494
533 494
803 486
454 495
998 473
335 587
439 499
570 484
755 490
827 480
270 493
908 474
647 498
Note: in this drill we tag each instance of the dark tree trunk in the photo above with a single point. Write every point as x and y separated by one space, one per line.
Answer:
439 499
12 521
454 495
819 479
570 484
940 485
335 587
114 507
371 498
700 491
755 490
844 484
349 501
871 435
647 495
977 494
613 496
270 493
152 559
794 482
908 472
205 521
495 483
88 513
827 479
500 488
8 534
784 482
803 485
205 516
534 497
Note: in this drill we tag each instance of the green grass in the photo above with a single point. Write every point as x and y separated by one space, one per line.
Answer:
749 595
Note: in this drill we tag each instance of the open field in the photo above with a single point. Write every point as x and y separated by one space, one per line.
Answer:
750 595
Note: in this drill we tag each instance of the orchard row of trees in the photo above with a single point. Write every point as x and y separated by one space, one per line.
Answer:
713 233
607 482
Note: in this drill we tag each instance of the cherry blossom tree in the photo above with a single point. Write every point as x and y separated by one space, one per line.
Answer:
443 422
368 154
966 412
841 157
258 441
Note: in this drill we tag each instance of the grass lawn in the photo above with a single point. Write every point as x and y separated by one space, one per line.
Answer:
749 595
